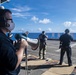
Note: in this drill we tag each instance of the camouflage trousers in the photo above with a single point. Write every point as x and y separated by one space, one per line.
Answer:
42 51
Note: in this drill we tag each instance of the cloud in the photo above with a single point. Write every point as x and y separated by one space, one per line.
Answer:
49 29
21 30
72 30
15 9
45 21
67 23
45 13
21 15
74 24
21 11
39 29
21 8
18 14
34 18
24 8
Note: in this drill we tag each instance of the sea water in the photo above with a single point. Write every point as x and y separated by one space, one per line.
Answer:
50 35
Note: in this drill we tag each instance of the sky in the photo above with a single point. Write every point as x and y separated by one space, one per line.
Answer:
43 15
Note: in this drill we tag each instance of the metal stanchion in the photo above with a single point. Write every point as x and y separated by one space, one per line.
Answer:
26 66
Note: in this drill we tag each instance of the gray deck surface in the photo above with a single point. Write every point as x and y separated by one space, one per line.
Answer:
53 53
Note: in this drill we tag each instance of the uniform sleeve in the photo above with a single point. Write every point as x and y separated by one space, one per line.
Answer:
46 36
71 38
39 36
9 58
60 39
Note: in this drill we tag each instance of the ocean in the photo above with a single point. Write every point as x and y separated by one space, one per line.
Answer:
50 35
